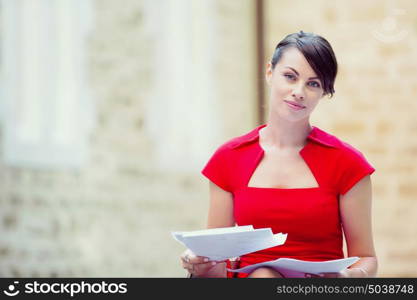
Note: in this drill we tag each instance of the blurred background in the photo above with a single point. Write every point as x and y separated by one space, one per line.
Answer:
110 109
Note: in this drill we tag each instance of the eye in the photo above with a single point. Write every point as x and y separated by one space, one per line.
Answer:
314 84
289 76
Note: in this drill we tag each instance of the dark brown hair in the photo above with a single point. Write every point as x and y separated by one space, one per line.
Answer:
318 53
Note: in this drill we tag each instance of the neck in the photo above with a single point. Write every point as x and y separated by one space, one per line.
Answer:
281 134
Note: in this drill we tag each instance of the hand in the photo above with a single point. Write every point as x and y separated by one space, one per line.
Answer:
196 265
346 273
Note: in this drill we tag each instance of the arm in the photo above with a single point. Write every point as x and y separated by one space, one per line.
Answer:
356 217
221 208
356 214
220 215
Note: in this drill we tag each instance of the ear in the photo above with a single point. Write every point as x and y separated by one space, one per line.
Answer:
268 73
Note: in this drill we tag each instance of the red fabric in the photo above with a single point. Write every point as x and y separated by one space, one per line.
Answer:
310 216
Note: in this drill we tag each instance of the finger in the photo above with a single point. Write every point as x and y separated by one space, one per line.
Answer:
184 264
189 256
198 268
194 259
189 267
185 259
186 255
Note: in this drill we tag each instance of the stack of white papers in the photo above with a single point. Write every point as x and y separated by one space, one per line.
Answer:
229 242
290 267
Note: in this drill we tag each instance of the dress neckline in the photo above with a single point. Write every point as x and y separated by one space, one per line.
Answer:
259 155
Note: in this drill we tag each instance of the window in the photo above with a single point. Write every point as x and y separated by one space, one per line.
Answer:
46 108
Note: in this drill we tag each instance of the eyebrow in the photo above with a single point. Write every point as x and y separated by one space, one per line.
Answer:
299 74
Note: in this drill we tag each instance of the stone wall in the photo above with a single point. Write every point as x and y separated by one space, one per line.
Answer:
113 217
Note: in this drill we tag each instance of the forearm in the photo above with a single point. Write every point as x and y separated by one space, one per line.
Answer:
365 267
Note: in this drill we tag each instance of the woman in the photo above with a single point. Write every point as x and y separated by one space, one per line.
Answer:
291 176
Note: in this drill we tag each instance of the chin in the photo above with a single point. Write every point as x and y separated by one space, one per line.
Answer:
292 117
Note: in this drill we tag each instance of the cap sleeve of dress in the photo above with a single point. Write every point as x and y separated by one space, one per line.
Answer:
354 167
217 168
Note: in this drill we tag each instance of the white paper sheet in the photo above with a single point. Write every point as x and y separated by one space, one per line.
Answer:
228 242
290 267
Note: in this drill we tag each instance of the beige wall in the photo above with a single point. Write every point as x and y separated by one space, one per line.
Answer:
113 217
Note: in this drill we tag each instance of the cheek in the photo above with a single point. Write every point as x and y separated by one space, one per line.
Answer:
313 96
313 104
315 93
280 87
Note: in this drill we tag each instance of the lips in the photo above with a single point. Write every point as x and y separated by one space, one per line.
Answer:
295 104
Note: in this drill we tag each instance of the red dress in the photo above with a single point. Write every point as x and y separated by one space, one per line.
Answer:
310 216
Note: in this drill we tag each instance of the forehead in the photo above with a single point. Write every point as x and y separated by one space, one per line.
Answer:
292 57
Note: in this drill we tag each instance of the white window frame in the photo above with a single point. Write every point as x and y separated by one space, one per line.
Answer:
46 106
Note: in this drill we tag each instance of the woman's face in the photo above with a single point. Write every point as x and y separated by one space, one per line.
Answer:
293 81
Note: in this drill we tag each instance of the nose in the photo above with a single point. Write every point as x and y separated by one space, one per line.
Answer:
298 92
